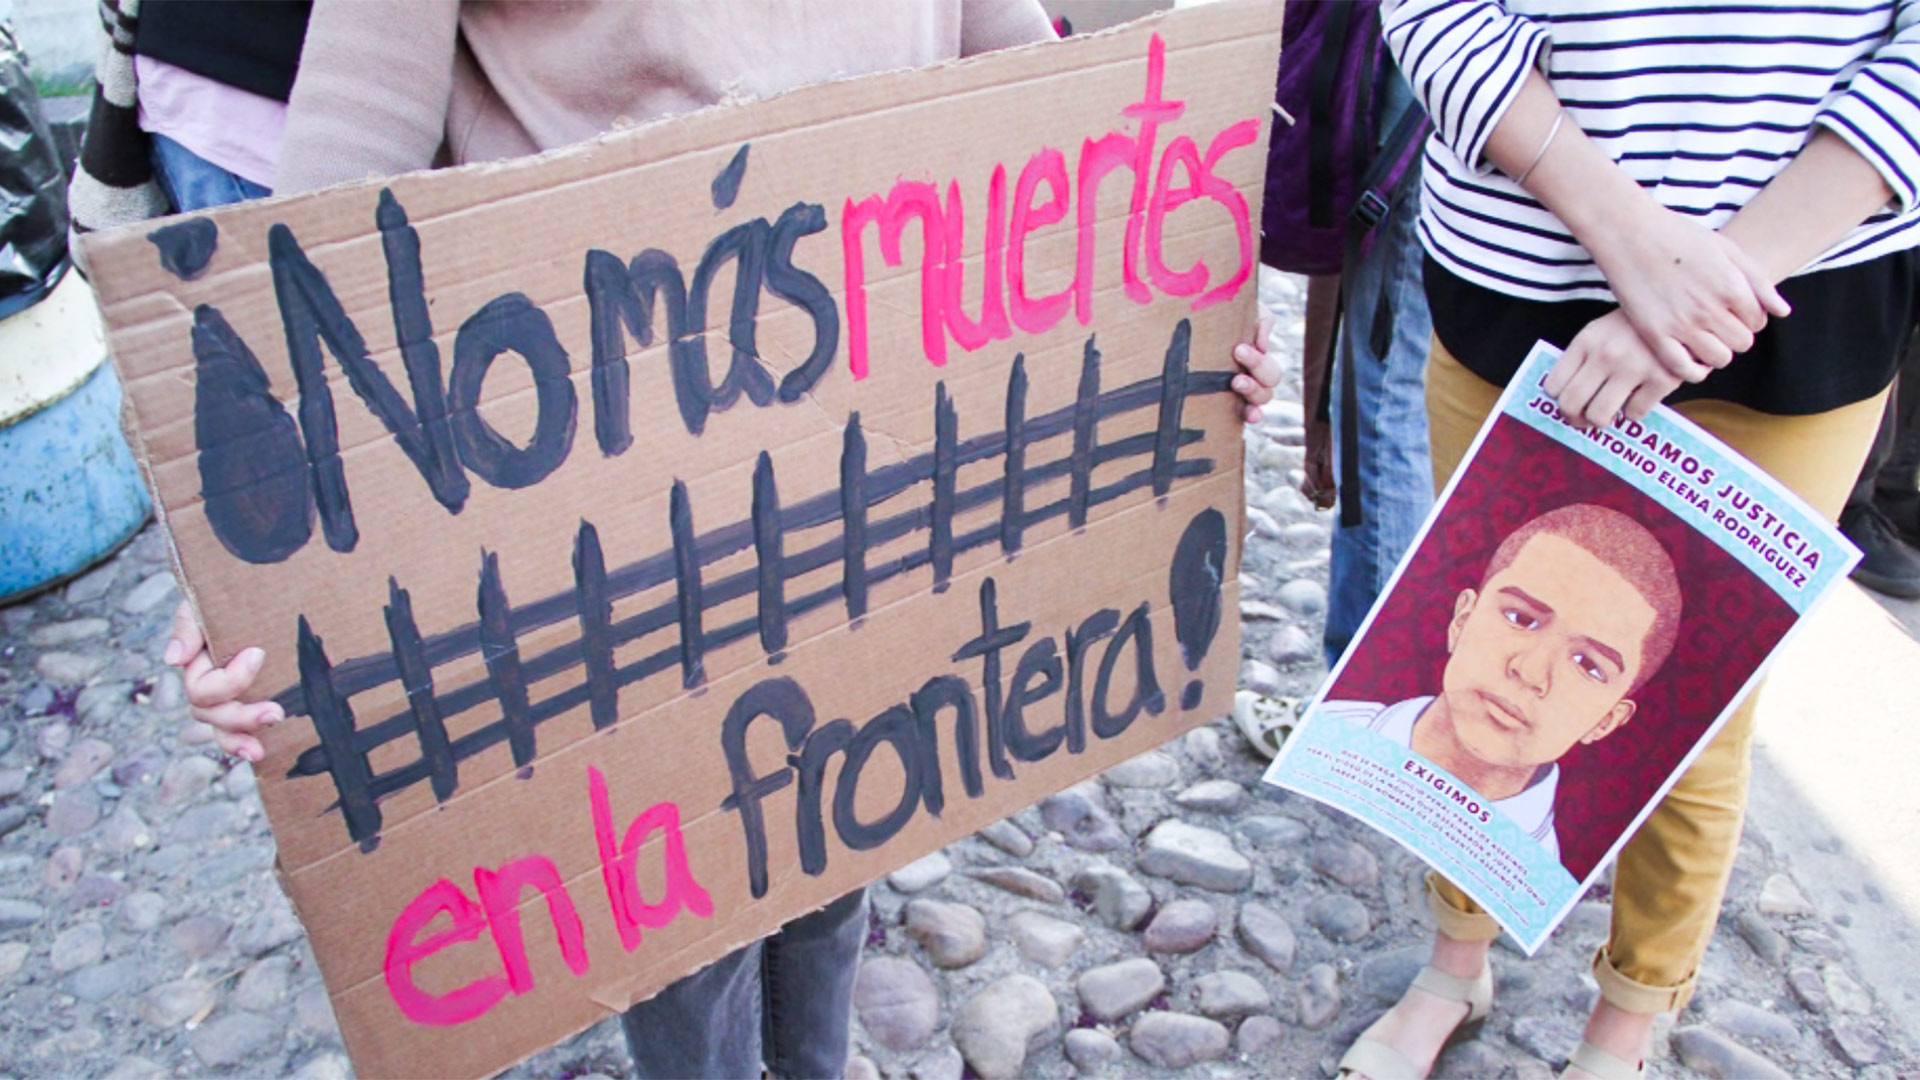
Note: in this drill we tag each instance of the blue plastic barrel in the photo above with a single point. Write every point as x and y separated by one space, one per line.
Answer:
70 490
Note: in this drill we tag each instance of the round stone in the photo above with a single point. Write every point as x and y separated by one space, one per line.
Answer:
1258 1034
87 757
98 982
186 777
921 874
1707 1051
199 936
233 1039
263 986
141 911
1043 939
13 956
953 935
1780 896
19 914
1204 749
1345 862
78 946
999 1026
1091 1049
148 595
172 1004
1319 997
64 867
1021 881
1079 814
1752 1024
1340 919
1183 926
68 633
1119 900
68 668
898 1003
1152 769
1009 838
1212 796
1304 596
1272 831
1260 677
942 1064
1194 855
126 831
1176 1040
1226 995
73 812
272 926
1385 977
1845 992
1267 934
143 763
1113 991
1291 645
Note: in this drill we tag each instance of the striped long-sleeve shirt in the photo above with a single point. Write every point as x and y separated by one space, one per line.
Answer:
1701 102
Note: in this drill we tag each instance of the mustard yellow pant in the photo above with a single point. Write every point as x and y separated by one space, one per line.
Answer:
1671 875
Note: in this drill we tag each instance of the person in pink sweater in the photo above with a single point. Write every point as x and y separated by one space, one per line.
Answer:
391 86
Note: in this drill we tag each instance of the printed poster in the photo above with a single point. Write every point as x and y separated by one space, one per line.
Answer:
1579 615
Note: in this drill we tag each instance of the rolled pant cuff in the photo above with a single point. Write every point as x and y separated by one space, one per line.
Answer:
1637 997
1455 923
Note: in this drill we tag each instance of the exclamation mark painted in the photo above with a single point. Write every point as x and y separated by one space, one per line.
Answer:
1194 583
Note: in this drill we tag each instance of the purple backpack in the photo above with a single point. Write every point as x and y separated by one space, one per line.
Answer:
1330 168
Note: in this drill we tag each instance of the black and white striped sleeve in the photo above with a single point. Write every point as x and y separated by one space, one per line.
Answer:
1466 61
1879 115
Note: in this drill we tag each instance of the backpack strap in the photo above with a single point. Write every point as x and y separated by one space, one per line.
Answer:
1369 209
1320 125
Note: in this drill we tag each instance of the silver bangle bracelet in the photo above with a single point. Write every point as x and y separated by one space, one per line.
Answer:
1542 152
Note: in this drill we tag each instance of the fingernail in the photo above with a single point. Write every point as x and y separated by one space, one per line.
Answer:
172 656
253 655
273 715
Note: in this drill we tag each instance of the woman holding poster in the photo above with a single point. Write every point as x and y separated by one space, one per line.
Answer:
1708 207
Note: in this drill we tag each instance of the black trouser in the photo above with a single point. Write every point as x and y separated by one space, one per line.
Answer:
1893 465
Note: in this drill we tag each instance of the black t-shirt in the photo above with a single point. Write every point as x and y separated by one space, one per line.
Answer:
1841 345
251 44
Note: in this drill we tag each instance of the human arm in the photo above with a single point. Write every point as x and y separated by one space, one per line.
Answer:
1693 295
214 692
1858 159
987 25
1817 199
371 96
1323 303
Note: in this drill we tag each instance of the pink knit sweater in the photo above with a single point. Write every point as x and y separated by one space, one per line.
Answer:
389 86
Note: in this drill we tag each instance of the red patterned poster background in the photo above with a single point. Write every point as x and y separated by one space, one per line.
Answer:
1729 623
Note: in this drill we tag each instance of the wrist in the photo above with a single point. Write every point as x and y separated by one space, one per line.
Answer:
1615 222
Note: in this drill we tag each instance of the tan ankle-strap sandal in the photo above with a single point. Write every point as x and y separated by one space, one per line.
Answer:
1377 1061
1599 1063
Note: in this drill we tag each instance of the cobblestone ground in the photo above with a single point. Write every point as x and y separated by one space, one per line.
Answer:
1169 919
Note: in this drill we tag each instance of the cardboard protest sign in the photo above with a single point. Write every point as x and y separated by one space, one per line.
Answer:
1581 613
655 540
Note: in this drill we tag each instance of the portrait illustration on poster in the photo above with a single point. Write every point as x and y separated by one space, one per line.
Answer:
1581 612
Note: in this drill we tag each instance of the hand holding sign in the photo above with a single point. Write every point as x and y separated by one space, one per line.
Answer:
214 693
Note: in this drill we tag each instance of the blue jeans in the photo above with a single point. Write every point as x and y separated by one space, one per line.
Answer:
785 1001
1396 474
194 183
